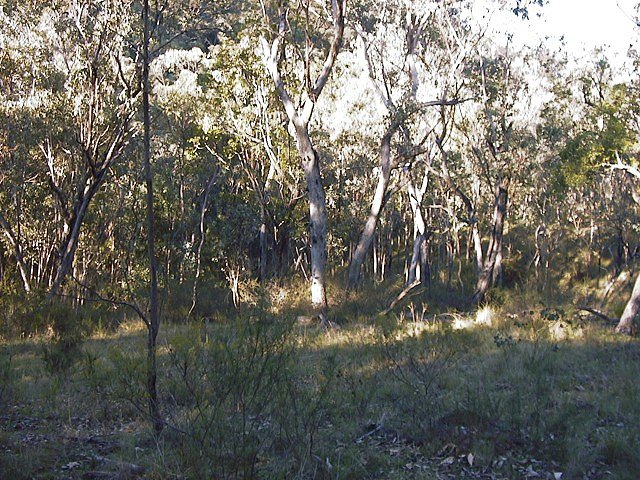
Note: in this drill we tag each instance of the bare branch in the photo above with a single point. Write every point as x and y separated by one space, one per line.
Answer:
339 7
270 58
100 298
619 165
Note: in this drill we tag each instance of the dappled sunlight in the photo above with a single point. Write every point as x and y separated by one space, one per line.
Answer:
347 337
320 240
485 315
128 328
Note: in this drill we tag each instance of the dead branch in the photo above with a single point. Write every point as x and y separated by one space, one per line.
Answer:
400 296
598 314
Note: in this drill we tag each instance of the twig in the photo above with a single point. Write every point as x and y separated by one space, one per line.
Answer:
119 303
369 433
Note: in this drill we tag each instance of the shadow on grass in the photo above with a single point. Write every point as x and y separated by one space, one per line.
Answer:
391 399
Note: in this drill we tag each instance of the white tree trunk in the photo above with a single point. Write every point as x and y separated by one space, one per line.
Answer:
631 310
368 233
317 216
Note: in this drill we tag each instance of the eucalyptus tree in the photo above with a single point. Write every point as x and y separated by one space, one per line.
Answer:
382 51
84 114
26 76
300 110
15 244
493 131
413 55
604 139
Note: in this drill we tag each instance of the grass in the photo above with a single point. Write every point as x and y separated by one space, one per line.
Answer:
530 394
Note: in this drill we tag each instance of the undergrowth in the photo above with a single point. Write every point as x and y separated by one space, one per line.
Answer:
504 391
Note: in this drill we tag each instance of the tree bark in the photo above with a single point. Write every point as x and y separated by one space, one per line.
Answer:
626 324
153 320
201 231
379 198
494 249
419 228
299 118
317 216
70 242
17 252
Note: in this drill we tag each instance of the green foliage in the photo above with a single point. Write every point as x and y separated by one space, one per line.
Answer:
418 363
7 377
608 134
63 349
258 397
226 393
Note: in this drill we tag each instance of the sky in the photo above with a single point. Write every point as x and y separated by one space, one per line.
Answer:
576 26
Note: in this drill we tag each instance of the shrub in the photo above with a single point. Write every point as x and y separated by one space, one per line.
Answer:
66 335
7 378
224 392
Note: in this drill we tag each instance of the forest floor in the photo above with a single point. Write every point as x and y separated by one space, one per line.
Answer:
540 393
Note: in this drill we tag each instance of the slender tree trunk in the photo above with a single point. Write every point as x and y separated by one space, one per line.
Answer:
17 252
494 249
425 268
264 254
153 320
265 234
71 239
203 211
542 253
317 216
497 275
626 324
368 233
419 227
415 259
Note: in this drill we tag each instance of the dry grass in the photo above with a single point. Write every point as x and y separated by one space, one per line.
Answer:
489 393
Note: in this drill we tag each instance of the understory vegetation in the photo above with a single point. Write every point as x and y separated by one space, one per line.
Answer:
501 392
316 239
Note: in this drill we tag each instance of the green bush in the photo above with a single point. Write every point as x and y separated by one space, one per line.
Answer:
7 378
67 333
229 393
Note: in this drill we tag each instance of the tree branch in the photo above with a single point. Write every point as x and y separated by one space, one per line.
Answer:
338 7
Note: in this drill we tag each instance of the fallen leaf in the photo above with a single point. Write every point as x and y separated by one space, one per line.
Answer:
470 459
557 475
447 461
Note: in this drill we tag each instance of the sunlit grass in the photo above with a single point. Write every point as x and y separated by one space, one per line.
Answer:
542 385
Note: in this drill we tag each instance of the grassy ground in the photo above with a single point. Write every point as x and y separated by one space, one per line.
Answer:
495 394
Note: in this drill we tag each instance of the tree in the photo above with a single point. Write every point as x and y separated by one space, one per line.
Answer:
403 80
299 116
89 124
604 138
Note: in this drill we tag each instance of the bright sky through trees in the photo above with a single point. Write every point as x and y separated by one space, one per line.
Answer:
575 26
588 24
